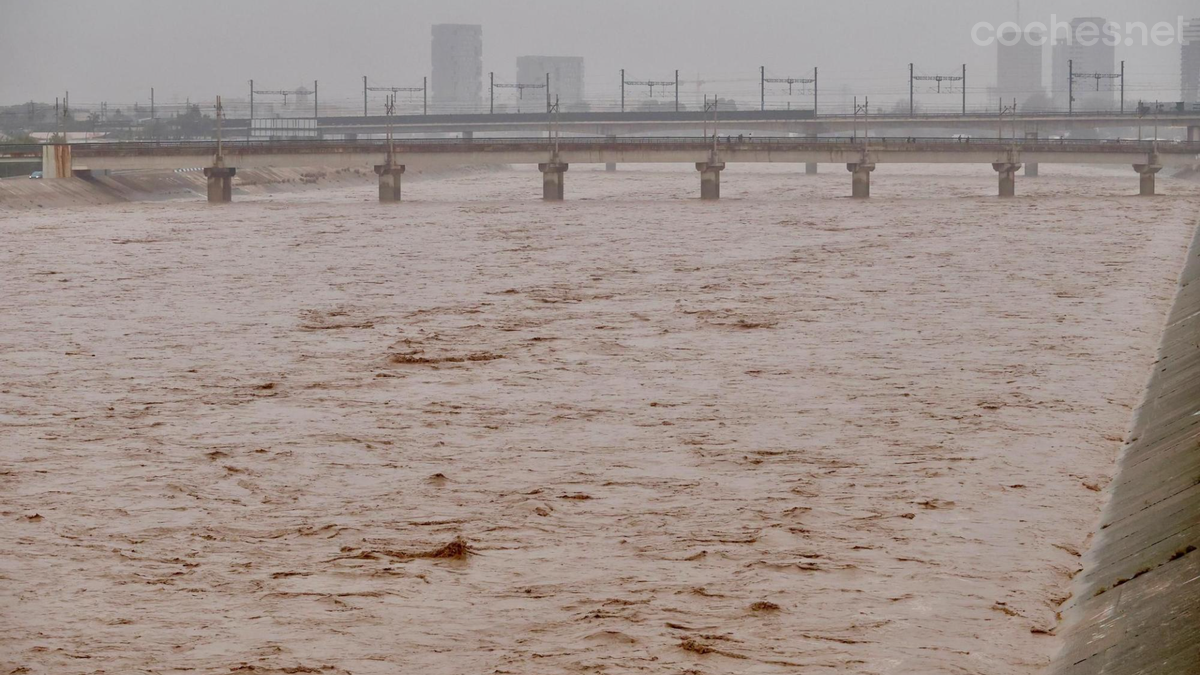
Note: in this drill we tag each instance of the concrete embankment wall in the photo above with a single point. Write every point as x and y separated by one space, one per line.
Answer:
1136 605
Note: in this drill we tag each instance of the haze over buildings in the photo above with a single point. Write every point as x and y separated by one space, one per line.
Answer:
457 60
1019 67
1189 69
117 50
1083 60
566 76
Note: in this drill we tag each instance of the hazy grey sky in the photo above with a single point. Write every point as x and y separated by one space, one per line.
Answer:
115 50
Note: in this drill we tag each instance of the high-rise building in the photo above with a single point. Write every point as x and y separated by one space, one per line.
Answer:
1190 62
1097 57
1019 66
457 77
566 76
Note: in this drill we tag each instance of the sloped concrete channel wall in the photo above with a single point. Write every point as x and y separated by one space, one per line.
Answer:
1136 605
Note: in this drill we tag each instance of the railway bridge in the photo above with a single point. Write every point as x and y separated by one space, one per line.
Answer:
554 156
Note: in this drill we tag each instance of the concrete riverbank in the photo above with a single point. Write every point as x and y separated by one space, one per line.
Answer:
1136 607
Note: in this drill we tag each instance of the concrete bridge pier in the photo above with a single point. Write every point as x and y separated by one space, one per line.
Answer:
1031 168
1193 134
56 161
389 182
552 180
862 180
1148 172
810 168
1008 178
610 167
220 184
710 179
468 135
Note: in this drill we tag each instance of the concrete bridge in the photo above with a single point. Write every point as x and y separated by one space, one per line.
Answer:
803 122
554 156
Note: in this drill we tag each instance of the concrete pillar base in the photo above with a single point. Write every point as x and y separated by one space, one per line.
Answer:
710 179
220 184
1148 173
862 180
1193 134
389 182
810 169
468 135
552 181
1031 168
610 167
1008 178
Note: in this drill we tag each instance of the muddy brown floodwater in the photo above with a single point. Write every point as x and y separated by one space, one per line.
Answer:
633 432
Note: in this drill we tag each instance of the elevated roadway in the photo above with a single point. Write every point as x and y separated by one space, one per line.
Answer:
802 122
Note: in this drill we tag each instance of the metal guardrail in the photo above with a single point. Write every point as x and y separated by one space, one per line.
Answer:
1131 116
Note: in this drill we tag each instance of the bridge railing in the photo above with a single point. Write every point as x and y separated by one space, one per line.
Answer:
334 145
20 149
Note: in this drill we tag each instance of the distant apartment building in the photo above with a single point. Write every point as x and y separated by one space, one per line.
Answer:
566 77
456 83
1190 62
1070 55
1019 67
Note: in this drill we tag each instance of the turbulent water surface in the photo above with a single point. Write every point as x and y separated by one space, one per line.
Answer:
633 432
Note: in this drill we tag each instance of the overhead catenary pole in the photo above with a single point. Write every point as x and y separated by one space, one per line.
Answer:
364 95
676 90
391 110
151 104
392 92
1071 86
1122 87
316 112
491 93
911 92
622 90
220 161
715 105
521 90
425 94
939 79
790 82
762 88
251 99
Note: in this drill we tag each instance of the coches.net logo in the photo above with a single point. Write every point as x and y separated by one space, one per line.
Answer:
1086 32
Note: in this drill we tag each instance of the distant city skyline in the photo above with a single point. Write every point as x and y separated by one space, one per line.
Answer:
116 51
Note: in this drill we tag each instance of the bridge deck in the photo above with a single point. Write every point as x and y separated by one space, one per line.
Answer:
802 121
444 152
